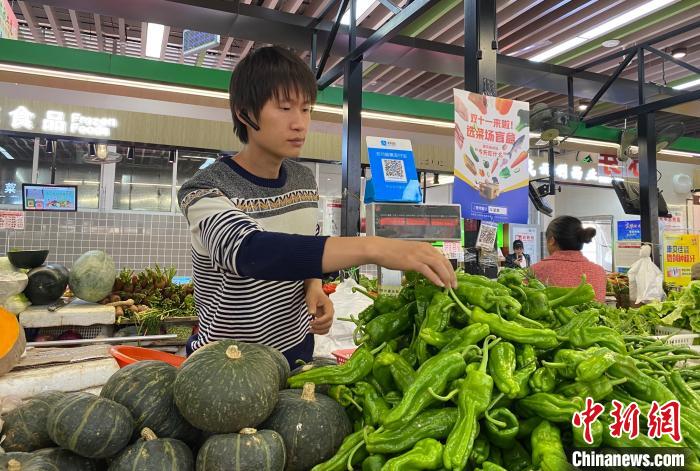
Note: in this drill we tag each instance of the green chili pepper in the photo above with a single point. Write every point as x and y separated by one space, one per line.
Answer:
502 437
338 462
382 374
547 449
404 375
526 426
374 405
393 398
598 389
473 153
595 365
373 463
431 380
597 430
343 395
476 295
382 303
511 277
516 458
480 450
388 326
640 385
535 303
543 380
502 368
564 314
512 331
438 339
409 356
566 361
470 335
568 297
353 370
686 396
552 407
473 400
437 319
583 319
495 456
426 454
525 355
583 337
497 288
433 423
424 292
489 466
368 314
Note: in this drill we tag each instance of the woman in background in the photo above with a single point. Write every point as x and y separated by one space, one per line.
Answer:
518 259
565 264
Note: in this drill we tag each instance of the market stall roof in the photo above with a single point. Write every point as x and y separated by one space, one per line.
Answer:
526 29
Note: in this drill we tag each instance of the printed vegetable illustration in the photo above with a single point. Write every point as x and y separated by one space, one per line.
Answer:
503 106
479 101
521 158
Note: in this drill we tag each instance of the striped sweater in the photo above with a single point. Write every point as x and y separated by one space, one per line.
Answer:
254 241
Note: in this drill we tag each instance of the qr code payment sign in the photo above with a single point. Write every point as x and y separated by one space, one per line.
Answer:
394 170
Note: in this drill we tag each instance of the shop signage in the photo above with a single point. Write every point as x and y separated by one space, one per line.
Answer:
9 28
57 122
394 177
593 168
680 254
528 235
629 230
491 157
629 242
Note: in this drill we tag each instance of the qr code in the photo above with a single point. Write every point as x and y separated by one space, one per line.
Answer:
394 170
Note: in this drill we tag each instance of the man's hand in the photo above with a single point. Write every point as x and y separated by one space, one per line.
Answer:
414 256
320 307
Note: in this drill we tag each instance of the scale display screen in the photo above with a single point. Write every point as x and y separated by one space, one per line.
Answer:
414 222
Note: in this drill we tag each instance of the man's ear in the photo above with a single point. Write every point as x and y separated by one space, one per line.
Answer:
243 117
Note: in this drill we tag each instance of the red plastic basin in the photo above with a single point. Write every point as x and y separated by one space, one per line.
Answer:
126 355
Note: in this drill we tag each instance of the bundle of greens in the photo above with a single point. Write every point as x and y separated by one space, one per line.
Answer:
686 309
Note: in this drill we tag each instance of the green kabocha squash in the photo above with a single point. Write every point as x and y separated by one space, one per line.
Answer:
146 389
154 454
282 365
18 456
91 426
312 426
261 450
92 276
25 426
227 386
67 460
34 463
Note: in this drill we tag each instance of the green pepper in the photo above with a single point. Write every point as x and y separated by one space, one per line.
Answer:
374 407
393 398
438 339
583 337
525 355
387 326
583 319
407 294
597 430
437 319
382 374
552 407
480 451
409 356
431 380
502 437
566 361
353 370
368 314
526 426
489 466
433 423
470 335
373 463
511 277
547 449
640 385
595 365
686 396
508 330
338 462
403 374
517 458
582 295
426 454
598 389
473 400
526 361
543 380
535 303
382 303
497 288
343 395
564 314
495 456
424 292
502 368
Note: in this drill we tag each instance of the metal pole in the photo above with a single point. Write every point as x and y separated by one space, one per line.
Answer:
480 46
640 75
570 92
648 190
352 137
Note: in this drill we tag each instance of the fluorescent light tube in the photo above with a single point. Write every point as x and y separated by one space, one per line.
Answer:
154 40
7 155
602 29
691 84
362 7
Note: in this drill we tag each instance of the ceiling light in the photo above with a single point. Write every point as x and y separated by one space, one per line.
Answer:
602 29
691 84
154 39
360 9
611 43
679 52
583 105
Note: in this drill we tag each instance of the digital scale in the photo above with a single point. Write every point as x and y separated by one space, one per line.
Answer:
418 222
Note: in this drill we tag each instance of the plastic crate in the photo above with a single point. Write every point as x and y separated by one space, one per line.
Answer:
86 332
678 336
341 356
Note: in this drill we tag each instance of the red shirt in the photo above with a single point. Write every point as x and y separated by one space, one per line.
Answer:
564 268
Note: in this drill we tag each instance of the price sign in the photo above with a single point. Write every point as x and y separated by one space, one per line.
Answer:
487 236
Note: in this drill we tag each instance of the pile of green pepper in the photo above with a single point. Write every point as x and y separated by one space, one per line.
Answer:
488 376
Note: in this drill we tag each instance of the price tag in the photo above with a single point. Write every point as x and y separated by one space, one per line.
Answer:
12 220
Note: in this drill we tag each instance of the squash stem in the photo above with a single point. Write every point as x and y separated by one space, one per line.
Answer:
308 392
148 434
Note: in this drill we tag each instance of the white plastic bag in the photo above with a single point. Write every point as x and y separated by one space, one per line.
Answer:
345 304
646 280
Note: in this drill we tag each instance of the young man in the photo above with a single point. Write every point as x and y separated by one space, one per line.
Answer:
257 256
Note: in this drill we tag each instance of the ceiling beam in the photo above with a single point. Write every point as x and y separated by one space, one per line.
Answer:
144 37
77 33
291 6
55 27
98 32
122 35
31 21
224 52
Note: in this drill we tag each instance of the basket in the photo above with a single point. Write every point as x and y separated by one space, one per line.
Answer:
86 332
678 336
341 356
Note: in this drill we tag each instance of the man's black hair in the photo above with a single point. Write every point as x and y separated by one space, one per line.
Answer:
269 72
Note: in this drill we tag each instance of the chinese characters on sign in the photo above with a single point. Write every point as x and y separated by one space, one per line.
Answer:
394 176
593 168
680 254
662 420
12 220
491 158
57 122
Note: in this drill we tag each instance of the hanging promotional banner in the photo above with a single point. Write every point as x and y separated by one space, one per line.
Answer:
394 177
491 157
680 254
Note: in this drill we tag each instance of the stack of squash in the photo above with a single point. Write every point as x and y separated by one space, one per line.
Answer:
224 409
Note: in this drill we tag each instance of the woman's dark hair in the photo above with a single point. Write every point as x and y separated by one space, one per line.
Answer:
569 233
518 244
269 72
